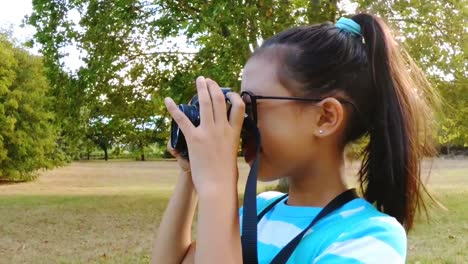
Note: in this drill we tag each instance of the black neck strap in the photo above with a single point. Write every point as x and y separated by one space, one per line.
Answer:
263 213
249 223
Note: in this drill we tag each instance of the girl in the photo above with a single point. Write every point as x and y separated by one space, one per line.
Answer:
323 86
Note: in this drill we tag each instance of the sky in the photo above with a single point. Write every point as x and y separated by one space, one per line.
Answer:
12 13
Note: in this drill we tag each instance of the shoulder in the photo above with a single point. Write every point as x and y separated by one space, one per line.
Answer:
367 236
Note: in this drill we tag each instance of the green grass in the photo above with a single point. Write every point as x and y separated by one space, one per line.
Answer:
79 229
100 212
443 237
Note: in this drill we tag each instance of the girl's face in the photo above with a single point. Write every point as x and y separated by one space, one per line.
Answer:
286 126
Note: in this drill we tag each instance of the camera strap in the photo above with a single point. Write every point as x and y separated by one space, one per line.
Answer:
250 218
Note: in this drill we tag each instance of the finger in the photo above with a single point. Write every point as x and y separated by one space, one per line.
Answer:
206 107
171 150
218 101
236 117
179 117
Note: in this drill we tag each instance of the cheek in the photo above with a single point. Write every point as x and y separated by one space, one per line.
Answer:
276 138
283 145
284 133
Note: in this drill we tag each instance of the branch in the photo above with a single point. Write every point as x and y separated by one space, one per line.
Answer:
149 54
420 22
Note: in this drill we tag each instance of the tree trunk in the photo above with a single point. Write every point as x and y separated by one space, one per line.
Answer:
106 157
142 150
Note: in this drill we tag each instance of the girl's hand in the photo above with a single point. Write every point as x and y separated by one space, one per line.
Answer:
213 145
184 164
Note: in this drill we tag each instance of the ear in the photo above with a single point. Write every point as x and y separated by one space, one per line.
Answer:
329 118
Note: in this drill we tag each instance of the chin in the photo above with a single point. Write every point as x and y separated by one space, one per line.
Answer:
265 173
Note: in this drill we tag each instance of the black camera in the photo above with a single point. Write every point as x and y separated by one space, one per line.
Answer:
192 111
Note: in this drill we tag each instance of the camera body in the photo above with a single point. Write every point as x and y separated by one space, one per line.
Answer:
192 111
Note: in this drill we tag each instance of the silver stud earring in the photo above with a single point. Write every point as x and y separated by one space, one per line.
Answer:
321 131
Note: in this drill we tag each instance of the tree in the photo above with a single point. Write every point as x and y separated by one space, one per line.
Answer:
434 33
119 79
54 34
27 134
131 61
103 132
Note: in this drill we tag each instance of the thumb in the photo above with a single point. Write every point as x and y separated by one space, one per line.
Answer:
171 150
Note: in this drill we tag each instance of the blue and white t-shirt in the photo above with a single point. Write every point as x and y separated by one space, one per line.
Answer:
355 233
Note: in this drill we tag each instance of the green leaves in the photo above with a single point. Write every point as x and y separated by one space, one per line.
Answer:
27 134
433 33
131 59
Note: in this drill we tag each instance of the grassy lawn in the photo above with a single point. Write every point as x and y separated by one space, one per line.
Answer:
97 212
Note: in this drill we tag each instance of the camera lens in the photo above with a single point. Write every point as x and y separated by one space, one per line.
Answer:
177 137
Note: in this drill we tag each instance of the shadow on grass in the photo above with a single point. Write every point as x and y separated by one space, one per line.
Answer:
7 182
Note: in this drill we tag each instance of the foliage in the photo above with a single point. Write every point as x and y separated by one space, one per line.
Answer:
132 59
27 134
433 32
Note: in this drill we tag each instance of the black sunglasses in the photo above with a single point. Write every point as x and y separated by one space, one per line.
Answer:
250 101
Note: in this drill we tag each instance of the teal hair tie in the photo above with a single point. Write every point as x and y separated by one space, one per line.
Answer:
349 25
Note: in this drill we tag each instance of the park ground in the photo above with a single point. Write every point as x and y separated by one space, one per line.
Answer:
108 212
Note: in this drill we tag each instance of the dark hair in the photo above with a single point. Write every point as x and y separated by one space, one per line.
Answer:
393 100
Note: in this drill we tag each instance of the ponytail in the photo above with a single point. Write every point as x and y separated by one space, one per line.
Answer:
390 174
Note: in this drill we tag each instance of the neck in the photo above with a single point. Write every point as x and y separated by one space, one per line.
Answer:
317 186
